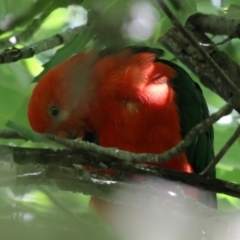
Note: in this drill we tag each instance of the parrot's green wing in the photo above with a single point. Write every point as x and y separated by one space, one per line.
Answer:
193 110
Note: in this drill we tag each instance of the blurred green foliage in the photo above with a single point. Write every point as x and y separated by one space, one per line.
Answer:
40 205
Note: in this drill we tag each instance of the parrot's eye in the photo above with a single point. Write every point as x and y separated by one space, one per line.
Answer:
54 111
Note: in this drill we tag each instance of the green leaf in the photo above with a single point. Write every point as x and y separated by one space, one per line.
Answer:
184 9
26 133
164 25
233 11
14 92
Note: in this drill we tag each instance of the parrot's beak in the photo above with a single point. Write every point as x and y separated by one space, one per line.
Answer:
72 135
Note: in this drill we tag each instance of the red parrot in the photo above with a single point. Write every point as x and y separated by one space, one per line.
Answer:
131 99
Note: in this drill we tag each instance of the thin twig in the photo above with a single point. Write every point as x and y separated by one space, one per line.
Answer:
222 152
15 54
216 25
10 134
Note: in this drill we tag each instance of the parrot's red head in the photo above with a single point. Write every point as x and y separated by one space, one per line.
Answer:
57 98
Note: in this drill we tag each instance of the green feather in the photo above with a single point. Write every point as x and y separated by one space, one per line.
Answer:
193 110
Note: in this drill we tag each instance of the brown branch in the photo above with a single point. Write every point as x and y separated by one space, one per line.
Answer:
222 152
180 46
216 25
234 89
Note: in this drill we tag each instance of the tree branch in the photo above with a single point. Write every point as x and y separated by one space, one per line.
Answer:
224 78
216 25
16 54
